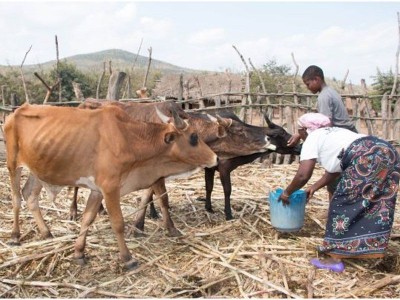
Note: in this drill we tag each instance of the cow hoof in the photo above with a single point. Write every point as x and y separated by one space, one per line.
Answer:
201 199
210 210
47 236
154 215
80 261
174 233
229 217
139 234
131 265
14 243
73 217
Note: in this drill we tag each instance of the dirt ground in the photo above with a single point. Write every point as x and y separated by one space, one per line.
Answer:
242 258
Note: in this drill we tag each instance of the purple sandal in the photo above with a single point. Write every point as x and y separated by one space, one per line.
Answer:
333 266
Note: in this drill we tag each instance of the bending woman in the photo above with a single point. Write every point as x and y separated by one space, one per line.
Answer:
361 212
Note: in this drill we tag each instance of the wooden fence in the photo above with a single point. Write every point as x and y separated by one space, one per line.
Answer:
285 108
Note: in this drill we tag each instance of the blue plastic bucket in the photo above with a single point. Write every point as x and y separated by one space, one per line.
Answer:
287 218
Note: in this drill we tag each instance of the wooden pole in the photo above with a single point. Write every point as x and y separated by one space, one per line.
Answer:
148 68
78 91
247 99
22 76
367 108
295 97
100 80
114 85
201 101
3 95
130 75
49 89
58 71
396 113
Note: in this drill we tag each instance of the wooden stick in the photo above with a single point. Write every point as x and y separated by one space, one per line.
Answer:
366 290
310 281
34 256
265 282
22 75
63 284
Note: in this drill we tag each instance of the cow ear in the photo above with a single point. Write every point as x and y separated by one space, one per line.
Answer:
169 137
226 122
222 131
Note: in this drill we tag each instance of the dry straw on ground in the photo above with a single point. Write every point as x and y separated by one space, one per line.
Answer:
243 258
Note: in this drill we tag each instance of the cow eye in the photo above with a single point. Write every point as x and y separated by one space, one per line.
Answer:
194 139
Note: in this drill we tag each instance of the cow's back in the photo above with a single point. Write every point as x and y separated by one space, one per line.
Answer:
57 141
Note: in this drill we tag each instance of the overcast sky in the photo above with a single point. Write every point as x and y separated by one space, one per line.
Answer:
337 36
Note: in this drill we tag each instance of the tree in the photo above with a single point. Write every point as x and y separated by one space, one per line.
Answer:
276 77
383 82
68 74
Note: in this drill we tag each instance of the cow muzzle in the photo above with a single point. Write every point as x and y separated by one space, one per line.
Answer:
269 145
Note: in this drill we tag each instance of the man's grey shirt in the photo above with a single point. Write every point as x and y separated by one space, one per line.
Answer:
330 104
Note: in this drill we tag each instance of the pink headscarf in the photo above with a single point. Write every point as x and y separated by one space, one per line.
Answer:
313 121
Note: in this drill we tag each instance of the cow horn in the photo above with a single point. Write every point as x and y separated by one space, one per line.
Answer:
179 123
213 119
163 117
269 122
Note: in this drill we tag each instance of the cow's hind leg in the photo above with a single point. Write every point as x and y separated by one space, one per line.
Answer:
92 207
73 209
141 214
15 178
32 198
161 192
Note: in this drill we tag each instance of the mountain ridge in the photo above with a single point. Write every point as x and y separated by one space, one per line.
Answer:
121 59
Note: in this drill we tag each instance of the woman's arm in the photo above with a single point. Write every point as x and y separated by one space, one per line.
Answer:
326 179
302 176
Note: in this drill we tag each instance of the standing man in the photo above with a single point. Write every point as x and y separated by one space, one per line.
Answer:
329 104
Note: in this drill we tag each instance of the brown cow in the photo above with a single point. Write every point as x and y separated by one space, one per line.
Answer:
229 138
103 150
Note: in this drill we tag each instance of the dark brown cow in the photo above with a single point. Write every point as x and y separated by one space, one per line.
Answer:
103 150
278 137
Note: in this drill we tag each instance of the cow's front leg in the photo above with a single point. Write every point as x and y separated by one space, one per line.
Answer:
112 199
209 181
92 207
225 176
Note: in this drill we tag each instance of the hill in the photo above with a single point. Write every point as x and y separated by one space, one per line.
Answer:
121 60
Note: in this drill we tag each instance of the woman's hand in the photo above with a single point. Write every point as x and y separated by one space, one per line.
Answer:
310 192
294 140
284 197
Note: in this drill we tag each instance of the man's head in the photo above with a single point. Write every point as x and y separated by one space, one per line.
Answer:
313 78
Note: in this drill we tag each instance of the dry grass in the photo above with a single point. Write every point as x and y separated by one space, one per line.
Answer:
242 258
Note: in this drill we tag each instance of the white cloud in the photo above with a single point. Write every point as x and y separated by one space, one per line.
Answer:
359 44
207 36
155 28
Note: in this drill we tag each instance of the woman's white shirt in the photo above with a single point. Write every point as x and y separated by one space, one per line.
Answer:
325 144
